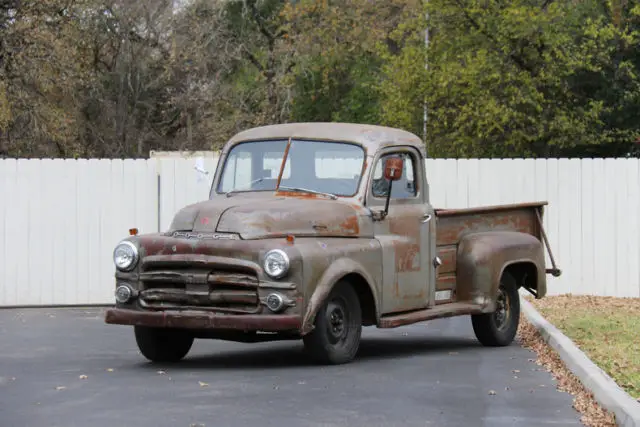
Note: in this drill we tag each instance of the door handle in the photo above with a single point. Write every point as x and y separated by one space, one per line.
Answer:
426 218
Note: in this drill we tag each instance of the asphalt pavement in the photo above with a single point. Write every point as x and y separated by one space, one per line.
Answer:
66 367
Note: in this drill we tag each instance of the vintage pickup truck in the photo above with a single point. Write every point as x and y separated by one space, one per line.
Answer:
312 231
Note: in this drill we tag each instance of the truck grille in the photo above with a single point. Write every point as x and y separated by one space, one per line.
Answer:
199 288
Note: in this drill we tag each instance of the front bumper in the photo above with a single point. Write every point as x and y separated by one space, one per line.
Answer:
189 319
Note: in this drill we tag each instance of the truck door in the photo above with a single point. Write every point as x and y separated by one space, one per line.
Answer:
405 233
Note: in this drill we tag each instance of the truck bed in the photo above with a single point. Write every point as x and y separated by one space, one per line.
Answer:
453 224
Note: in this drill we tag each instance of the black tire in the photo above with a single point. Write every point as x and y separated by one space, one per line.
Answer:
498 329
338 327
163 345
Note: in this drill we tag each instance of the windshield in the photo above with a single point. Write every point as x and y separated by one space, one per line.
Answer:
318 166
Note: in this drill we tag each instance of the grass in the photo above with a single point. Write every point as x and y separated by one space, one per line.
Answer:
607 329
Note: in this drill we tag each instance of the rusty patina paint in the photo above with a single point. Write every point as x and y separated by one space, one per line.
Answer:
371 137
439 312
406 243
217 282
475 263
485 240
452 227
202 320
280 217
447 256
482 258
351 225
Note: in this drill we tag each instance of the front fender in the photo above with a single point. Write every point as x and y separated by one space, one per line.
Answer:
336 270
483 257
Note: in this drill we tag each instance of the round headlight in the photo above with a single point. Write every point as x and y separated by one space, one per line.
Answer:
125 256
276 263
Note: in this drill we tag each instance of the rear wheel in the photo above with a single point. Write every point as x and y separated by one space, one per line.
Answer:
163 344
338 327
499 328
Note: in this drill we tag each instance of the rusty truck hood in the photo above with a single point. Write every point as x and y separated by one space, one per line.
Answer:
258 218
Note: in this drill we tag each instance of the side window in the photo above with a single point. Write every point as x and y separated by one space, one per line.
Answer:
404 188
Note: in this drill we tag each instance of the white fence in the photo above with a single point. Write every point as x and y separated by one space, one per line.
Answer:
60 219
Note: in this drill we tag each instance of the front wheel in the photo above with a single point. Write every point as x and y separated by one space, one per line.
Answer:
163 344
338 327
499 328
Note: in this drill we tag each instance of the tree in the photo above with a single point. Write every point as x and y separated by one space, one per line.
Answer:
41 69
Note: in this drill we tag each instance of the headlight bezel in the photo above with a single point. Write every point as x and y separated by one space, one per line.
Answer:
286 261
136 255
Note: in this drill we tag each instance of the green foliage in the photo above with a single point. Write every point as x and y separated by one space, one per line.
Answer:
404 79
527 79
117 78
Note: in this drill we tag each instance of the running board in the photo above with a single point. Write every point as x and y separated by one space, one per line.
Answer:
437 312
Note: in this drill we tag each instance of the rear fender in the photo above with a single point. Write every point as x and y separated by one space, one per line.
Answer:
483 257
336 271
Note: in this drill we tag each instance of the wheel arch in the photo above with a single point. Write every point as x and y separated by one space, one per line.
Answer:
483 257
525 273
344 269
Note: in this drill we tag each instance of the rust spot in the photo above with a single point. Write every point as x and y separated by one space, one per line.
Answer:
350 225
299 194
411 298
443 311
445 282
199 320
407 246
455 224
447 255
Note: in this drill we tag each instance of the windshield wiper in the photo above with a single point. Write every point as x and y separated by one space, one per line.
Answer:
306 190
233 190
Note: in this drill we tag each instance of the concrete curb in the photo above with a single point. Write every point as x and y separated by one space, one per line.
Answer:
604 388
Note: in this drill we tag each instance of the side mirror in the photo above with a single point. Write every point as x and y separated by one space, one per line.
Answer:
393 168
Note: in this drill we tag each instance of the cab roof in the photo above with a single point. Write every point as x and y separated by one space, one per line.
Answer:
371 137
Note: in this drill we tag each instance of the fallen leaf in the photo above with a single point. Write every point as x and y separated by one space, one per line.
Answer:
515 371
109 370
83 377
203 384
592 415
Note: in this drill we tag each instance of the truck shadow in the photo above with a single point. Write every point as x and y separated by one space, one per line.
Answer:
291 353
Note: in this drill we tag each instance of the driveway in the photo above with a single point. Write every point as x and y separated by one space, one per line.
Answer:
433 374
